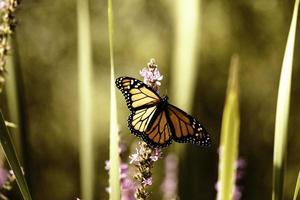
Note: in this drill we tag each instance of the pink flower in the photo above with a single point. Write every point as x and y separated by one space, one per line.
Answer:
240 170
151 74
123 171
169 185
148 181
128 189
157 155
127 185
3 4
134 157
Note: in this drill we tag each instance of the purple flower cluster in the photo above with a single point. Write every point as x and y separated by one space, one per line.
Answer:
127 185
143 159
137 157
240 171
169 185
151 74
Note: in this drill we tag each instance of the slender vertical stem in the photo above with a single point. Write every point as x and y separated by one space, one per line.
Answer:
12 102
297 188
12 158
21 106
85 100
184 71
229 136
282 111
187 32
17 108
12 96
114 173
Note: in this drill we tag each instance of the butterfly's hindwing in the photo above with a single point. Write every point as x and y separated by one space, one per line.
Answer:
151 125
139 120
159 133
136 93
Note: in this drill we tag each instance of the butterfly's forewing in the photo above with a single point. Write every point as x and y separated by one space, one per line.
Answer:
137 94
185 128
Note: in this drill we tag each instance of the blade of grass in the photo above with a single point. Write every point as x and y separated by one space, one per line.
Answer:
229 135
282 111
15 81
85 100
114 172
12 159
297 188
12 102
185 52
186 21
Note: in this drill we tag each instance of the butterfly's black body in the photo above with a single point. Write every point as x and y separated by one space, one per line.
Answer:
156 121
163 104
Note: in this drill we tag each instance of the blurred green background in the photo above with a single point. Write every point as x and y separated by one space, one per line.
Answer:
45 49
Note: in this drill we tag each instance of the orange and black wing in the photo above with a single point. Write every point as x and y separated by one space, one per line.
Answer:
186 128
151 124
137 94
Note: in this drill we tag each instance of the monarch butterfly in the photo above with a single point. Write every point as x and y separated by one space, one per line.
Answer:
156 121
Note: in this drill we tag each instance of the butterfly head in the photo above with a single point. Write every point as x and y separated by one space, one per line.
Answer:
165 99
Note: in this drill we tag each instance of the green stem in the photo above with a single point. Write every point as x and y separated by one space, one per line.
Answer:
282 112
114 173
85 100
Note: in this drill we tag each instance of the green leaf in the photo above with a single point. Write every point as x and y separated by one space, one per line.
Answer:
87 173
297 188
114 172
187 18
282 111
229 135
187 15
12 159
